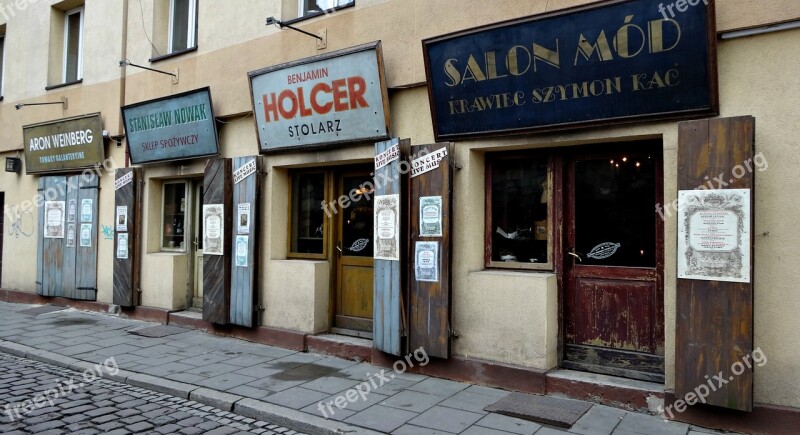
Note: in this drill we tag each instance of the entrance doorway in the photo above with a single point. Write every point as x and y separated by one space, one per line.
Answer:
354 251
613 263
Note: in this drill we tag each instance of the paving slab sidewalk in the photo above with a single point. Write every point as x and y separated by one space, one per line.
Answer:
304 391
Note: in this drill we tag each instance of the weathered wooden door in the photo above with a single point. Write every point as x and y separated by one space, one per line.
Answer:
613 262
354 249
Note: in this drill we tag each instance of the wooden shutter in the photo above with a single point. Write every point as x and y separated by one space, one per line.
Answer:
429 302
217 268
86 257
714 319
244 293
389 320
126 270
50 258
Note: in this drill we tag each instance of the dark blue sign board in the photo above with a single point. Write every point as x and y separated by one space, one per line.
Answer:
176 127
617 62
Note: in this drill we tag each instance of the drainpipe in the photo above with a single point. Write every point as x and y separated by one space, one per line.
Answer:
123 72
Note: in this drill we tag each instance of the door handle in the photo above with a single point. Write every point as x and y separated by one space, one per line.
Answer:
339 247
574 254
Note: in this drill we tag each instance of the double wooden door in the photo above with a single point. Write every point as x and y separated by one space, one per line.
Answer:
613 262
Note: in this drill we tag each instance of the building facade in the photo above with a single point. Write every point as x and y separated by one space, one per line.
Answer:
556 257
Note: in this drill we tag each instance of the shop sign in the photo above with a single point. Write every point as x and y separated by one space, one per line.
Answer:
325 100
64 145
620 61
171 128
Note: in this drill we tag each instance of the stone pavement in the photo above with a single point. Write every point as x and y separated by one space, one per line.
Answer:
71 404
302 391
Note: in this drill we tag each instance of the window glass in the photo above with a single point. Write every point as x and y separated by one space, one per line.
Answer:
182 25
308 194
358 219
174 221
72 46
519 210
614 209
2 58
311 7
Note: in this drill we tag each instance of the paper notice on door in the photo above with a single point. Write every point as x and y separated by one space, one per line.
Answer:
387 227
70 235
73 210
122 246
86 235
430 216
243 219
213 234
242 249
122 219
54 219
86 210
426 256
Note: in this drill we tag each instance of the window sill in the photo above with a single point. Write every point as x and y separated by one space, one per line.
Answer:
294 256
317 14
171 55
63 85
532 273
518 266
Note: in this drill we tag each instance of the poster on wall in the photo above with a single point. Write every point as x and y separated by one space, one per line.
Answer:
122 218
426 257
430 216
213 234
71 236
714 235
242 247
73 210
387 227
243 219
86 235
122 246
54 219
86 210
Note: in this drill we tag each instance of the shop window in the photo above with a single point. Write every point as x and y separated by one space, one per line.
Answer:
307 220
519 198
173 222
299 9
73 46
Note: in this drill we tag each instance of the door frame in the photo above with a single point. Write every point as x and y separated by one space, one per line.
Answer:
563 204
337 186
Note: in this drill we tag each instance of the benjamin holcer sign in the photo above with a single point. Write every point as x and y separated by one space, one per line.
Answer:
171 128
619 61
324 100
64 145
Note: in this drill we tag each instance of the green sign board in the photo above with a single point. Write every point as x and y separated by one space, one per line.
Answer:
64 145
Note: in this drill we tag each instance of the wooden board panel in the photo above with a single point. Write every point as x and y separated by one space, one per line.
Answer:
55 189
429 302
389 320
217 268
126 272
714 324
244 293
86 257
40 290
68 279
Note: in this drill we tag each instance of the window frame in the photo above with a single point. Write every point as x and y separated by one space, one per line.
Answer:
326 221
553 203
191 30
79 73
186 192
301 15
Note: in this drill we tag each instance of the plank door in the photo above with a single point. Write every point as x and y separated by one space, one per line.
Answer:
126 257
244 264
614 296
217 268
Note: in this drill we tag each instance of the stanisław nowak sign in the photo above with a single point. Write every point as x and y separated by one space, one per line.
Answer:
64 145
622 60
333 98
171 128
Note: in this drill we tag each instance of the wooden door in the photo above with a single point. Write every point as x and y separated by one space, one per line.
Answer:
354 250
613 263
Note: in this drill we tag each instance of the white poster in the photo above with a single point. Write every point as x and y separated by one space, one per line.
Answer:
122 218
73 210
242 248
243 219
54 215
213 234
122 246
70 235
387 227
86 235
426 261
86 210
430 216
714 235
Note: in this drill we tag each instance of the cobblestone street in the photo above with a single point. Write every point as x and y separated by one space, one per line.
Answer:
43 399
